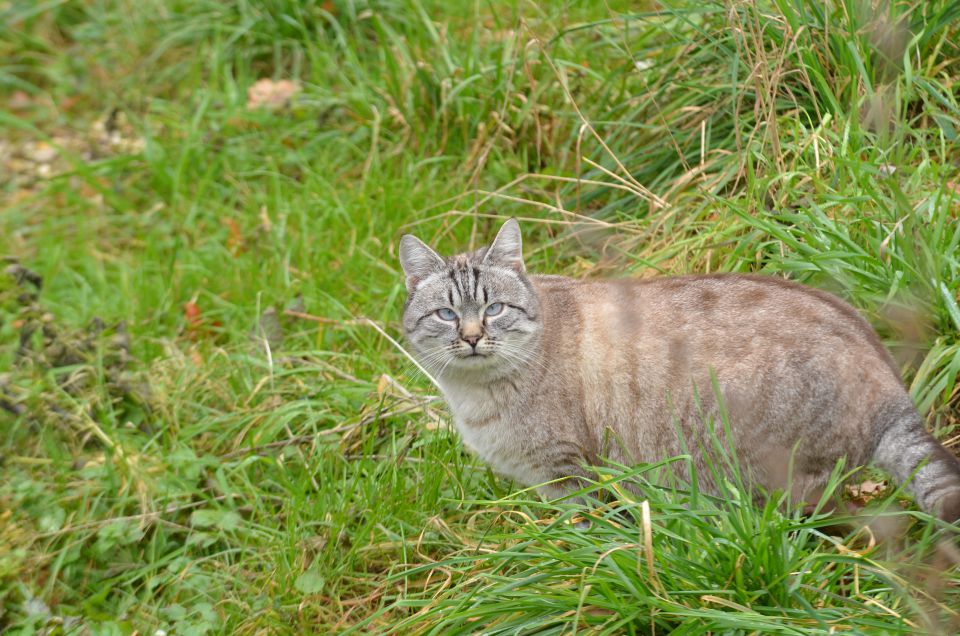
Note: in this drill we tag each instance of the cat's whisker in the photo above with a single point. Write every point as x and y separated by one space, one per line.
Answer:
430 360
526 350
445 365
518 358
420 356
437 360
520 362
524 354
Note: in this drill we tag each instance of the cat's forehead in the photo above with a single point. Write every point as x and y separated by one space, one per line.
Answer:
469 269
466 279
467 259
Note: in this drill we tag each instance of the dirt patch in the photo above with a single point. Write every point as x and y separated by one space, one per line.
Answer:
25 163
61 374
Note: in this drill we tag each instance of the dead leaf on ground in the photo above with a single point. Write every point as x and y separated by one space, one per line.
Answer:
271 94
886 169
235 239
269 328
867 490
198 325
19 101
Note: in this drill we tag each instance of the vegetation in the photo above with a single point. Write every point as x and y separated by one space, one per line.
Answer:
205 423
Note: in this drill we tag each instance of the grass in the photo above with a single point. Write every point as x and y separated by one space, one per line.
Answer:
204 429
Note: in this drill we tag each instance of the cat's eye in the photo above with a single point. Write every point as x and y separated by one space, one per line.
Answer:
446 314
494 309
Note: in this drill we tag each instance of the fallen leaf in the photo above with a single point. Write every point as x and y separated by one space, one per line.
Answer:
68 103
235 239
271 94
198 325
872 487
191 311
19 101
269 328
866 490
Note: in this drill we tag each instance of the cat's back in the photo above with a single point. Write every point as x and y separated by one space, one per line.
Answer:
731 315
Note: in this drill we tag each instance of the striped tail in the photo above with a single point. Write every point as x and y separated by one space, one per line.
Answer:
908 452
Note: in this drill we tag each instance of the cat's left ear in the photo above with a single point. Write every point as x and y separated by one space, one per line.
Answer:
418 260
507 249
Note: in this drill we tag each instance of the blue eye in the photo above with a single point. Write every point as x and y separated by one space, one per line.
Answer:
446 314
494 309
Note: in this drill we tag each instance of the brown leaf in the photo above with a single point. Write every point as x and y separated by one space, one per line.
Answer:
198 325
191 311
235 239
872 487
867 490
271 94
19 101
68 103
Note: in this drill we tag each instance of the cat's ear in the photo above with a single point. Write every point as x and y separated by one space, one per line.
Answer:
418 260
507 249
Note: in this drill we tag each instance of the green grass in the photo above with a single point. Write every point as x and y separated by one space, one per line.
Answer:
165 465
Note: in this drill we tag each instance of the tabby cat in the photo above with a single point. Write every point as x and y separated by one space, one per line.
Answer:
542 372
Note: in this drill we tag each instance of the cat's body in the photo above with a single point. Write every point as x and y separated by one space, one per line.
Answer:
566 372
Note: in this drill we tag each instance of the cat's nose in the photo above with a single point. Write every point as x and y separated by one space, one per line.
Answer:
470 332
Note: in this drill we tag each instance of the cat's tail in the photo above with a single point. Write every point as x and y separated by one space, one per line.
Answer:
908 452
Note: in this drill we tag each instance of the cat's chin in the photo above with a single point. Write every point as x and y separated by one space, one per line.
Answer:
475 360
476 365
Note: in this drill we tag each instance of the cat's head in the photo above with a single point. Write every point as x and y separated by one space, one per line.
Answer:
474 314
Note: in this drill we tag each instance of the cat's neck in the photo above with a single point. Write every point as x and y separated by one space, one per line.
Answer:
479 403
482 395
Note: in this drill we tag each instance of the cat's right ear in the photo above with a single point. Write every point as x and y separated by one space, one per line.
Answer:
507 248
418 260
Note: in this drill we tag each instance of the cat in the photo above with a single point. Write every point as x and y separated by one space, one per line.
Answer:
542 372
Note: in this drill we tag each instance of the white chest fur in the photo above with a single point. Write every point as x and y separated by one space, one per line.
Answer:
493 432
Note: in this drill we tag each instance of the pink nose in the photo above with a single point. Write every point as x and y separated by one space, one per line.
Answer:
471 340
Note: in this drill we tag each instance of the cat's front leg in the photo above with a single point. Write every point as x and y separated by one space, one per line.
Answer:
563 469
566 481
559 489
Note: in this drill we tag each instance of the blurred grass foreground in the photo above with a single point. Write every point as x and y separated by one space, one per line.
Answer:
203 428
